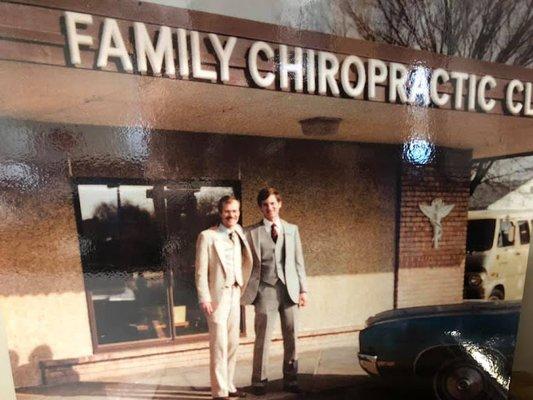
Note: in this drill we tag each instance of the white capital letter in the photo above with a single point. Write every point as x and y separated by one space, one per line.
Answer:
197 70
433 86
485 105
326 74
528 111
357 90
285 67
460 78
74 38
418 84
311 72
377 73
269 77
472 80
513 108
223 54
183 53
397 83
111 34
145 49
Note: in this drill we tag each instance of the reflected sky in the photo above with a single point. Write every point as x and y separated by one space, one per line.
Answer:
92 196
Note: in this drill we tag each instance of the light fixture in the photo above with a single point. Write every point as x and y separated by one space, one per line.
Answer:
320 126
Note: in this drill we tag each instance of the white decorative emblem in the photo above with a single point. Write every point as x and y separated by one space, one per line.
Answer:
436 211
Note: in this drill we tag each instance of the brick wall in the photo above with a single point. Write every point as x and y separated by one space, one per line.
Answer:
426 275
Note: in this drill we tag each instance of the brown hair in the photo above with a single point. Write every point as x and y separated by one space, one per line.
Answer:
265 193
226 199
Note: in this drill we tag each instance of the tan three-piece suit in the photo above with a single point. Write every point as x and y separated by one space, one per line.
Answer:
223 266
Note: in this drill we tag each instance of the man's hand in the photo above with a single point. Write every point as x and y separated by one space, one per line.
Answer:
207 308
303 299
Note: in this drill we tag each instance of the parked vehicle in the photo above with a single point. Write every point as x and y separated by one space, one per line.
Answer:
459 352
497 251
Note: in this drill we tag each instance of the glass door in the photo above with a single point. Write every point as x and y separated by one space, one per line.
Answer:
189 211
120 241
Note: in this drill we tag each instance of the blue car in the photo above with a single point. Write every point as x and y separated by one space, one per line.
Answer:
460 351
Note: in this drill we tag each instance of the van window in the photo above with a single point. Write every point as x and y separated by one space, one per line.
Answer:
506 237
523 226
480 234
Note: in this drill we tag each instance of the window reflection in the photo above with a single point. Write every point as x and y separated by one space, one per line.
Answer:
122 263
138 250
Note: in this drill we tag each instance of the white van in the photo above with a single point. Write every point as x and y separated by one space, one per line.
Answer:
497 250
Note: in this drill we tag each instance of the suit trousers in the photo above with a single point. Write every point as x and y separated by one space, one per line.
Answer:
224 341
271 301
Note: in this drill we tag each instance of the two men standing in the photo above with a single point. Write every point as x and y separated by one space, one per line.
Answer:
268 264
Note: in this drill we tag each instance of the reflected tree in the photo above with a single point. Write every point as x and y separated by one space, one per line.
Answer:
125 239
490 30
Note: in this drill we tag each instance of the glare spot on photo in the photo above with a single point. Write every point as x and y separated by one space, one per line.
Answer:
19 174
418 151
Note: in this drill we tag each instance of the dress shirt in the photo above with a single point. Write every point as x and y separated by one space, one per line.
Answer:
232 253
268 226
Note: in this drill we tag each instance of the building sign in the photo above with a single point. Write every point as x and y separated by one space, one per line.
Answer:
177 53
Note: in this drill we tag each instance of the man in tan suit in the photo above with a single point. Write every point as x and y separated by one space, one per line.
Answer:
223 266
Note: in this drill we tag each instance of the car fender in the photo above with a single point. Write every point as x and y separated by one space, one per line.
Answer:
432 357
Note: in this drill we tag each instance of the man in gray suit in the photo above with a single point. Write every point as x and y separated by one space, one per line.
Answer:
277 285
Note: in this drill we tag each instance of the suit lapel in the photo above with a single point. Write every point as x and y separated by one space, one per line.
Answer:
255 240
219 247
286 229
287 237
247 250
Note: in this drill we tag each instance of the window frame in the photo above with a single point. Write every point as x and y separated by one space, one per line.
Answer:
522 222
173 339
500 234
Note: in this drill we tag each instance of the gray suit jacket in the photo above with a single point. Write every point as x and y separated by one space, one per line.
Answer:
294 262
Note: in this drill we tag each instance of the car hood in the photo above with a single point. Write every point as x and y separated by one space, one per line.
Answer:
468 307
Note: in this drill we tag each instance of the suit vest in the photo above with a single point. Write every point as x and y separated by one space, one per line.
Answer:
272 257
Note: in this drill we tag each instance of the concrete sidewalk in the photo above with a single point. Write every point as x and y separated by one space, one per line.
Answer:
320 370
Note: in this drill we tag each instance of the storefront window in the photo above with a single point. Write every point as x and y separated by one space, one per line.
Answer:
138 245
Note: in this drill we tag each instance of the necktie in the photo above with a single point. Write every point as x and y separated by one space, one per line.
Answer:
236 258
274 233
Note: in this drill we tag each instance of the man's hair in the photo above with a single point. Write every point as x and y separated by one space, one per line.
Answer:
225 200
265 193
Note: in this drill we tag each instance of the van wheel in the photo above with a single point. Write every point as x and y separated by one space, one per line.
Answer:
497 294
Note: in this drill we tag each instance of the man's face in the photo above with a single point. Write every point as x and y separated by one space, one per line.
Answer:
230 214
270 207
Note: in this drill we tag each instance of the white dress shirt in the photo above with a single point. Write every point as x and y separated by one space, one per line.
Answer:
268 226
232 253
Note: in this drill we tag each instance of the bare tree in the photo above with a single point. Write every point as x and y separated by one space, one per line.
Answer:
479 172
494 178
491 30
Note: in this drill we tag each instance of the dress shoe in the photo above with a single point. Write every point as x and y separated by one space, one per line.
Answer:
292 388
238 393
259 390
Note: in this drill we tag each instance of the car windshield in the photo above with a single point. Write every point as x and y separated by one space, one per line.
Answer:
480 234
